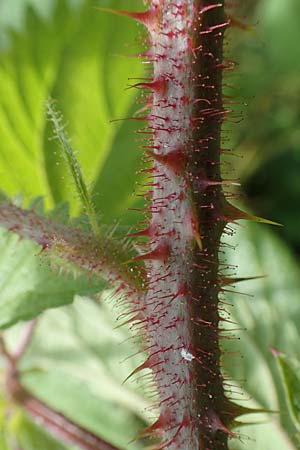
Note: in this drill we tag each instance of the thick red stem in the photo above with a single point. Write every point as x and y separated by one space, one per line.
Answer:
180 313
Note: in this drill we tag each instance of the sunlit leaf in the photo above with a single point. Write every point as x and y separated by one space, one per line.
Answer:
75 56
29 286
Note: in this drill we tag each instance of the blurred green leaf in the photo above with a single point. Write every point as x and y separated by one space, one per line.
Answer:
29 286
13 12
270 319
274 189
281 26
75 363
3 444
18 432
30 436
290 375
76 58
267 80
3 420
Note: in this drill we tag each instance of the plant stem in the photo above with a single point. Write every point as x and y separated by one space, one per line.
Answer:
188 214
54 422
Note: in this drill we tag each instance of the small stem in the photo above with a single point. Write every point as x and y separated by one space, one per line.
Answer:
54 422
105 258
63 428
25 339
4 352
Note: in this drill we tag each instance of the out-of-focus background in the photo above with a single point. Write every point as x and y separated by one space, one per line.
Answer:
72 52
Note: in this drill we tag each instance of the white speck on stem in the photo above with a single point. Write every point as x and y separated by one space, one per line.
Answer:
187 355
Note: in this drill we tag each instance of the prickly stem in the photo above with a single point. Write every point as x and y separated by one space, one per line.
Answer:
188 213
176 306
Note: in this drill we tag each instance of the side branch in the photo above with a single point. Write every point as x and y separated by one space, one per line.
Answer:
104 256
58 425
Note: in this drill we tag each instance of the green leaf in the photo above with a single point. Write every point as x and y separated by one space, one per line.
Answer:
3 443
290 375
3 420
75 57
269 60
30 436
29 286
279 16
12 15
270 317
76 364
